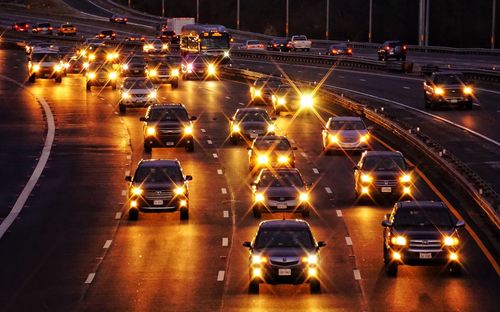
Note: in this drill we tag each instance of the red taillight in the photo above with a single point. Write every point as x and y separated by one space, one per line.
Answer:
16 26
50 28
275 45
387 48
126 19
349 51
404 47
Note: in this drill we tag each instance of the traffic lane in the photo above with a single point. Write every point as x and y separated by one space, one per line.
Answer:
405 91
158 251
59 236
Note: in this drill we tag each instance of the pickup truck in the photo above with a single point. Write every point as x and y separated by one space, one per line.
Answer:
300 43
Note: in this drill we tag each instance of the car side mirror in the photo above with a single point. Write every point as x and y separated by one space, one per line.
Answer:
189 177
460 224
128 178
386 223
143 119
321 244
193 118
247 244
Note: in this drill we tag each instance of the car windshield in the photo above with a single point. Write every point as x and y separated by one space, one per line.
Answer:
384 163
347 125
138 84
157 42
158 174
448 79
168 114
419 216
272 83
284 238
280 179
40 57
253 116
169 33
276 144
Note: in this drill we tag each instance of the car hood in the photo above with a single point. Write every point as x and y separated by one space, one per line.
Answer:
156 185
284 252
170 124
137 91
385 175
425 232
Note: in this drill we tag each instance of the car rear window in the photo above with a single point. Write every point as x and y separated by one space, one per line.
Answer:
42 57
138 84
253 116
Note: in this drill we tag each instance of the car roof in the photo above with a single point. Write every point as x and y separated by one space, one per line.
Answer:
422 204
383 153
346 118
279 224
158 163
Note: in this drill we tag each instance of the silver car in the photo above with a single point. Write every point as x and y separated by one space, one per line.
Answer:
345 133
137 92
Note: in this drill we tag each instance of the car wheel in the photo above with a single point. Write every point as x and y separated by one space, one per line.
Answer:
315 286
386 256
392 269
379 58
147 148
253 287
88 87
190 147
184 213
175 84
308 49
122 108
468 105
32 78
133 214
257 213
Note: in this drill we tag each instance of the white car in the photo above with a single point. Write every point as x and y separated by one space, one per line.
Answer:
300 42
254 45
347 133
137 92
155 46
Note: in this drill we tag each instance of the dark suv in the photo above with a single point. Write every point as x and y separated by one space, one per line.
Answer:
392 49
448 88
158 185
284 252
168 125
421 233
382 173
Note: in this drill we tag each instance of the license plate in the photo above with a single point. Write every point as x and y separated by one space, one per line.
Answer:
425 255
281 206
169 143
253 135
284 272
454 101
136 71
391 52
386 190
158 202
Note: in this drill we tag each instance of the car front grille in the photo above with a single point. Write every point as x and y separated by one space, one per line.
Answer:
425 245
158 194
282 198
285 261
386 183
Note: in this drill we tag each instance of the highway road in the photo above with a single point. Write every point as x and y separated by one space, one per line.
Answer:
73 248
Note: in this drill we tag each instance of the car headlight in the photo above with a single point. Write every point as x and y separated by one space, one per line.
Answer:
113 75
450 241
125 66
262 159
92 75
236 128
58 67
109 56
153 73
256 259
153 94
398 240
439 91
258 93
86 65
333 139
136 191
190 68
92 57
467 90
179 190
304 197
226 54
311 259
281 101
211 69
126 95
271 128
164 46
405 178
188 130
306 101
259 197
36 68
175 72
283 159
364 138
66 65
150 131
365 178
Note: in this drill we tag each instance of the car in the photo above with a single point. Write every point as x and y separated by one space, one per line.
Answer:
158 185
448 88
137 92
165 70
253 45
284 252
90 45
282 45
300 42
263 89
42 29
383 173
67 30
135 66
199 67
106 34
168 125
120 19
280 190
249 123
136 37
421 233
392 49
102 75
103 55
45 65
290 99
155 46
40 47
339 49
345 133
74 63
21 26
271 151
169 36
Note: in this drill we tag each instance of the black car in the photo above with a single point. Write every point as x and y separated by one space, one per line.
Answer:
165 70
249 123
120 19
106 34
383 173
21 26
169 36
199 67
286 99
448 88
158 185
134 67
421 233
339 49
284 252
282 45
168 125
263 89
271 151
392 49
42 29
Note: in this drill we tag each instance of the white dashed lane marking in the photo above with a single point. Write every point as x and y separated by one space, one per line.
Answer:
219 171
406 88
90 278
303 154
223 190
225 241
328 190
220 276
127 173
348 241
215 155
315 171
242 104
124 193
339 213
107 244
209 141
357 275
361 79
118 215
225 214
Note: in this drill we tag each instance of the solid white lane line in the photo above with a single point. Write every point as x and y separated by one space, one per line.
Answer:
220 276
107 244
215 155
339 213
118 216
315 171
90 278
42 161
225 214
225 241
209 141
361 79
203 130
223 190
328 190
219 171
348 241
357 275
